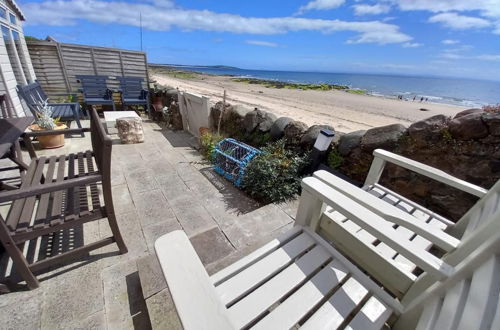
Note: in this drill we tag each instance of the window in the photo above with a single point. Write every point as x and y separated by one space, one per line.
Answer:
12 18
15 34
3 12
5 33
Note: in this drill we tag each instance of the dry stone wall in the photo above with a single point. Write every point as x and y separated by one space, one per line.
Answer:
466 146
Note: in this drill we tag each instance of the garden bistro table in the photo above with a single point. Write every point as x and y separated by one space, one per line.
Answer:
11 130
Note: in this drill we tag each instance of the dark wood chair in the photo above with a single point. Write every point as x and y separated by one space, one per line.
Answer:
59 193
34 95
133 92
95 90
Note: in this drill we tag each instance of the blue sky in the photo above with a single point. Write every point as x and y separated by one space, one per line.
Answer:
459 38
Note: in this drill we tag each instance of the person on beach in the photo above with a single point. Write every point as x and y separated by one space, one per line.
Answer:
421 99
414 98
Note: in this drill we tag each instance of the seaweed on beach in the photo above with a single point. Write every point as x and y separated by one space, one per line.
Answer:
289 85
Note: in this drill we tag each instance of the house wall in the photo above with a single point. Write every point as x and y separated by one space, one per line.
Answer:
15 63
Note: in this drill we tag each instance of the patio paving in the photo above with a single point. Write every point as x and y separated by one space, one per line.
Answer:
158 186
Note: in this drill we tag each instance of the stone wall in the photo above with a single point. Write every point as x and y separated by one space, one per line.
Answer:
466 146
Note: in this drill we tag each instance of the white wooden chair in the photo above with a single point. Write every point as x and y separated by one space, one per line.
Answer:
410 220
299 279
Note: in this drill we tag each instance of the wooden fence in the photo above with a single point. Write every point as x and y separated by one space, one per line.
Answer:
56 64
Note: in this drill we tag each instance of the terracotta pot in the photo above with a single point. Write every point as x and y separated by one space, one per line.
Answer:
50 141
204 130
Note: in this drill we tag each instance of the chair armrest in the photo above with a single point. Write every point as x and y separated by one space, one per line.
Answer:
389 212
376 226
195 298
382 156
12 195
52 132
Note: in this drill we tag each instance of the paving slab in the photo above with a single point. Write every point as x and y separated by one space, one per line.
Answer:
151 276
152 207
162 312
154 231
122 200
193 218
211 245
141 180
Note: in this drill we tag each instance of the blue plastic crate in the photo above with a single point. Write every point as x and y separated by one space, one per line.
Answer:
231 159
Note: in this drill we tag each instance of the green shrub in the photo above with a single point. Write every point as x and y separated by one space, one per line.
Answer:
274 176
208 141
335 160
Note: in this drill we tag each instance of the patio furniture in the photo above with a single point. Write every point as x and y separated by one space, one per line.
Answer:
95 90
110 118
385 263
133 93
5 109
57 194
34 96
301 280
11 130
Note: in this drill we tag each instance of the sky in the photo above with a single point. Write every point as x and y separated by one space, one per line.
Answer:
455 38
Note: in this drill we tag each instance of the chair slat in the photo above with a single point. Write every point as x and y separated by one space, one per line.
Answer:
94 191
483 297
300 303
430 314
43 203
256 274
257 302
453 306
334 312
372 316
56 214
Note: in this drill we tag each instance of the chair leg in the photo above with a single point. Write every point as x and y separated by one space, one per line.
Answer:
77 119
21 264
114 107
113 224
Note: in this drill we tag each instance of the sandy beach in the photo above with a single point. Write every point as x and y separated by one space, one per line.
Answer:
345 111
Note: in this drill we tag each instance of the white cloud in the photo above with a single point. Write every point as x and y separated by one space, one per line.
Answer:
412 45
459 22
320 5
450 42
68 12
489 57
371 9
486 7
261 43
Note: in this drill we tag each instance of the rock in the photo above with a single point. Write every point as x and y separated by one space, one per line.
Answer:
278 129
175 116
130 130
350 141
468 127
294 131
429 129
258 119
492 120
215 112
267 123
385 137
309 137
467 112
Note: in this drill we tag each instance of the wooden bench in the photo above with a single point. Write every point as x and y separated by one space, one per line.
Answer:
133 93
300 280
95 90
60 193
34 96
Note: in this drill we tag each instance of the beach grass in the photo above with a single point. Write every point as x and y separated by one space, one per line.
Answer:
356 91
174 72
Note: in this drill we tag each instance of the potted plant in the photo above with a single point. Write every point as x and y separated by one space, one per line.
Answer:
44 121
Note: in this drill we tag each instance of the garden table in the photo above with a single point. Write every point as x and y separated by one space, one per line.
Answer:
11 130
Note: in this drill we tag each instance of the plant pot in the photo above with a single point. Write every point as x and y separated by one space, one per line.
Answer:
50 141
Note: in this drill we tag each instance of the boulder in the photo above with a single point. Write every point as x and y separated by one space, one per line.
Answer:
278 128
468 127
294 131
253 119
309 137
467 112
350 141
215 113
266 124
427 130
385 137
492 120
130 130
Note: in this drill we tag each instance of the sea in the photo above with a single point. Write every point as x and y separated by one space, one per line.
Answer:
456 91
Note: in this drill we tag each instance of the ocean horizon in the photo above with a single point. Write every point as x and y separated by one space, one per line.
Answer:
456 91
